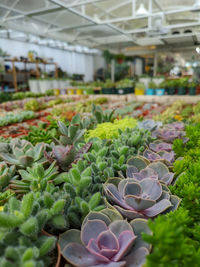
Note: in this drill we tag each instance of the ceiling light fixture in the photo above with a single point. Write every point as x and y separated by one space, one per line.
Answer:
141 10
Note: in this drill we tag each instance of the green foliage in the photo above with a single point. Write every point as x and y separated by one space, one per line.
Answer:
109 130
33 105
173 241
12 117
41 133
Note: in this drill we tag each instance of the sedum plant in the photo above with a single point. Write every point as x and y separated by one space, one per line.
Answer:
146 198
23 154
103 241
109 130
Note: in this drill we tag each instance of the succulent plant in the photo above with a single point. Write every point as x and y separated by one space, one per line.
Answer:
168 135
35 178
72 134
5 196
6 175
179 126
102 116
21 223
160 146
66 155
104 242
140 168
146 198
168 157
150 125
23 154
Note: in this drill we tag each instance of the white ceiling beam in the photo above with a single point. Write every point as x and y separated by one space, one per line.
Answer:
167 12
174 26
114 7
76 3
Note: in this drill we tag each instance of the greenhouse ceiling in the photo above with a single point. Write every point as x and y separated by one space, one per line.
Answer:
128 26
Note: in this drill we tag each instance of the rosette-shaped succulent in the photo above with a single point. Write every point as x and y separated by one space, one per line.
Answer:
105 243
140 168
24 154
160 146
168 157
168 135
179 126
139 199
150 125
66 155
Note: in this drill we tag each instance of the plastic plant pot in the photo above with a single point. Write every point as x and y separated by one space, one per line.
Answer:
181 91
108 91
57 91
160 91
139 91
79 91
34 86
70 91
192 91
150 91
171 91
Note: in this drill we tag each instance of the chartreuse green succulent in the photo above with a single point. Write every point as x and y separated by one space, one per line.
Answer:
21 225
23 154
106 239
109 130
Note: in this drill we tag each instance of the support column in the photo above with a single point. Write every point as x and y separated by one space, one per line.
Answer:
113 70
155 65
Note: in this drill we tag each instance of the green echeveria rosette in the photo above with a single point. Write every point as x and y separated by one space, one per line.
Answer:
106 243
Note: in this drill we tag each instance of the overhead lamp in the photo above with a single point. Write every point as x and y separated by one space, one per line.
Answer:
141 10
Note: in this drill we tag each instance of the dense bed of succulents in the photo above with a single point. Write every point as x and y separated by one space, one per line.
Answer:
101 191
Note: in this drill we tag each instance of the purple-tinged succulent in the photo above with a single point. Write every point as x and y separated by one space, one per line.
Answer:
160 146
139 168
65 156
179 126
105 243
150 125
168 135
139 199
168 157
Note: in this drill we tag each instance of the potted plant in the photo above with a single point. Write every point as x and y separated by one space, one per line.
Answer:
158 79
192 86
120 58
125 86
171 86
139 88
108 87
182 86
145 79
151 88
161 89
